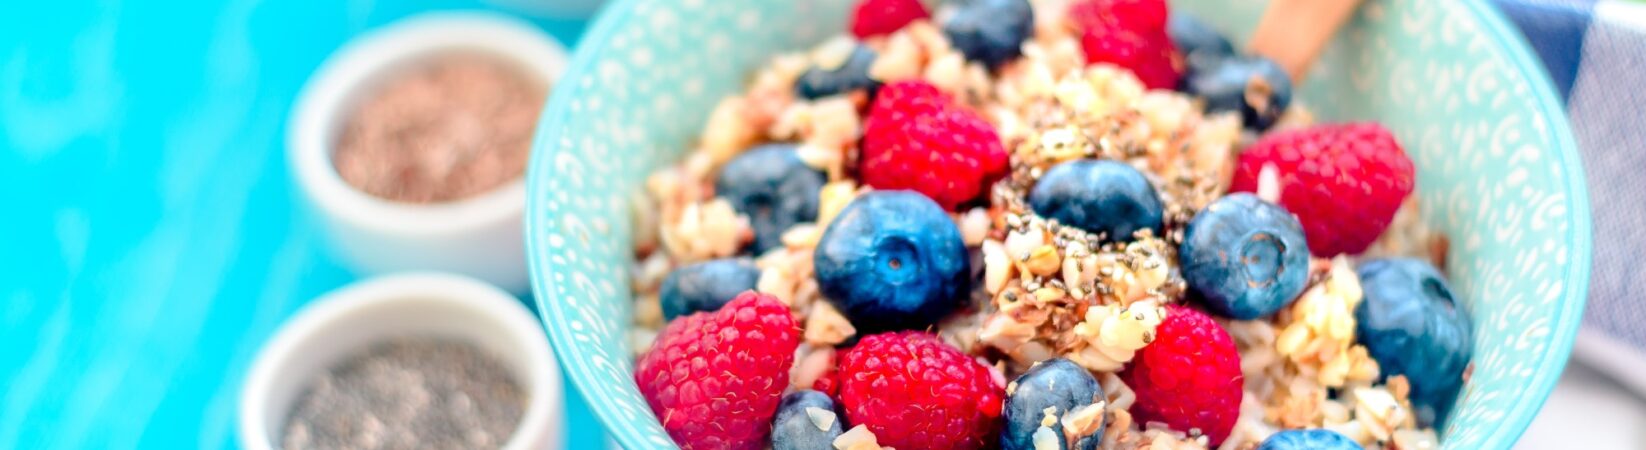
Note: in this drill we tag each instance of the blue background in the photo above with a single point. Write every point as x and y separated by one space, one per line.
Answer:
151 240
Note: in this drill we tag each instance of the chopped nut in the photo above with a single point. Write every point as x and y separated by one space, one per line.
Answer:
812 366
1044 438
1083 421
821 418
802 235
826 326
833 53
974 226
997 266
833 198
857 438
728 132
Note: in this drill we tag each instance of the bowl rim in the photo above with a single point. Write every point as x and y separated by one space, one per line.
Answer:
1570 315
1547 371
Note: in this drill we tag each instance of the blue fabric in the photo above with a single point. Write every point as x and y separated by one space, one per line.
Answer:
1555 29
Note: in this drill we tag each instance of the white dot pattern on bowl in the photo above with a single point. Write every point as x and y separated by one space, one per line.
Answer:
1497 172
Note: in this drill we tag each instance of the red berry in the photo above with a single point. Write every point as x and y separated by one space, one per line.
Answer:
914 392
715 379
878 17
916 138
1135 14
1189 377
1343 181
829 382
1129 34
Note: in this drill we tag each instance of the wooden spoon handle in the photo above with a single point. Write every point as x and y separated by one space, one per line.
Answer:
1293 32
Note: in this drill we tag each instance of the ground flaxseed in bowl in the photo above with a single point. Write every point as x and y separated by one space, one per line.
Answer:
450 127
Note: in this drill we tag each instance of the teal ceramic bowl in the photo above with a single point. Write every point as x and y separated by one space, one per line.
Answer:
1497 168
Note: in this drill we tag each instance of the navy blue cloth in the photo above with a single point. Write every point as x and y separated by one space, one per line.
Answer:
1556 30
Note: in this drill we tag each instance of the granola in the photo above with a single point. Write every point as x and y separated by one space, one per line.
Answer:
1043 289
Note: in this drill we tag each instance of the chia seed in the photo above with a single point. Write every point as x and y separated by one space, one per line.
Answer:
409 393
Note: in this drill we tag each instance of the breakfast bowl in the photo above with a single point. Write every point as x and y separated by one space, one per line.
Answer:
1497 173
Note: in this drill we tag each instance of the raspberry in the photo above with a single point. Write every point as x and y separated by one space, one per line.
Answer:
1129 34
1136 14
1344 181
829 382
715 379
916 138
878 17
914 391
1189 377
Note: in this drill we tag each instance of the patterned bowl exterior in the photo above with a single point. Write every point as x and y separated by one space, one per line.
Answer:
1497 171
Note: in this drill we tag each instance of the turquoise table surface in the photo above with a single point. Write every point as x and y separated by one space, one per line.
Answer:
151 239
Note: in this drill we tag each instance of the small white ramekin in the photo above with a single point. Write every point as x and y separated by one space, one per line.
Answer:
349 320
480 236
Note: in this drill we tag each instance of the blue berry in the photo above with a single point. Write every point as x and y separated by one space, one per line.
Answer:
1201 45
1252 85
852 74
795 428
774 188
1244 257
892 260
1099 196
705 286
1412 325
1057 383
1316 439
990 31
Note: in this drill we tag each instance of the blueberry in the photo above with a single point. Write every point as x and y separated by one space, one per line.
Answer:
852 74
1057 383
705 286
892 260
1411 324
1201 45
1099 196
990 31
1316 439
1244 257
1253 85
774 188
806 420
